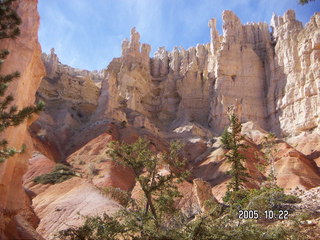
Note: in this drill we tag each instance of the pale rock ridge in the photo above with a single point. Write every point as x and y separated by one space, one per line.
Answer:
25 53
156 88
55 67
77 84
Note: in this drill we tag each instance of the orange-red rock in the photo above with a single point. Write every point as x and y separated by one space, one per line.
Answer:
92 161
38 165
293 169
308 144
25 52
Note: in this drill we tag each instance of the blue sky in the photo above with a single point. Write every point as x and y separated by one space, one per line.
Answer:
87 34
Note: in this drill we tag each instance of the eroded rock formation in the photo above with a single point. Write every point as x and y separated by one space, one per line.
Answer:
272 77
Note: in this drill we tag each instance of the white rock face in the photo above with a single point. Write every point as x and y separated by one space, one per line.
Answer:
64 82
239 74
272 77
294 93
159 88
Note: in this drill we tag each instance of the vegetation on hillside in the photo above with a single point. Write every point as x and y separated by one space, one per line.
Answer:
60 173
155 215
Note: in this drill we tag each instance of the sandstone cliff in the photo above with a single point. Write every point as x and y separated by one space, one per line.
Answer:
25 53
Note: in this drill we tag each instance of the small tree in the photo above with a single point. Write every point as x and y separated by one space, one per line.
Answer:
155 216
231 140
10 115
270 151
159 189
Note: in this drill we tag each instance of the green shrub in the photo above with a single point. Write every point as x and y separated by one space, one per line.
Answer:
59 174
301 216
216 224
260 199
226 228
203 227
94 228
239 198
291 199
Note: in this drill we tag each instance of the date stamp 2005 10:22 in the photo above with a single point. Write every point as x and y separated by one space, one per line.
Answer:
267 214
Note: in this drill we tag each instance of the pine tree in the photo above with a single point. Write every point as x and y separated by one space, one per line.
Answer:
159 190
155 215
10 115
231 140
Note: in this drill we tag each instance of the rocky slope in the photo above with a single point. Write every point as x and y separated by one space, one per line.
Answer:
292 169
25 53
